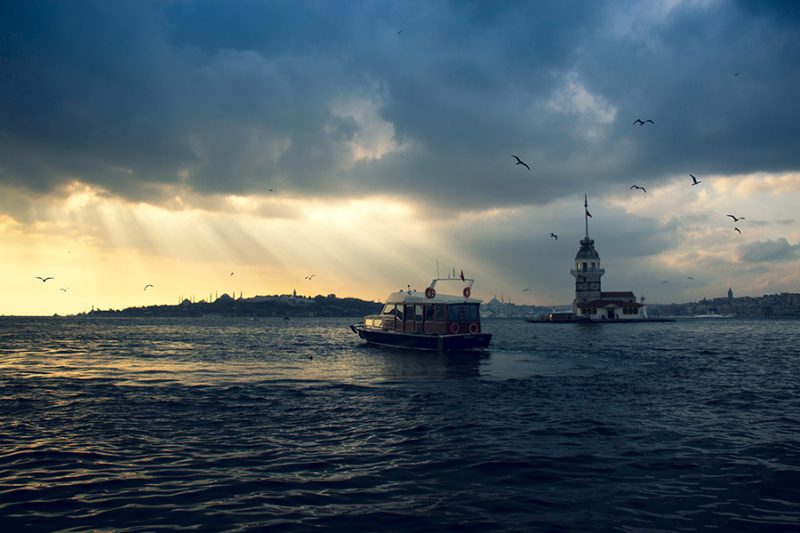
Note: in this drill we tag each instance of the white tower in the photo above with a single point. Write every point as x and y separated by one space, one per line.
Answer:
587 269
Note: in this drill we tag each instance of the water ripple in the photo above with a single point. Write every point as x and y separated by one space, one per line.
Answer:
136 425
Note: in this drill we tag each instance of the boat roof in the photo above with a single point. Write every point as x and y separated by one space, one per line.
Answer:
416 297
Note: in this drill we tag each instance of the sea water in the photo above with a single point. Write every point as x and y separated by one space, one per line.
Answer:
224 424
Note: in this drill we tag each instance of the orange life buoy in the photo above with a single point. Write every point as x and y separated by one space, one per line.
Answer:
454 328
473 328
430 292
467 292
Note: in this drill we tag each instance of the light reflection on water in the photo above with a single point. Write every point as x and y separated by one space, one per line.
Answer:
225 424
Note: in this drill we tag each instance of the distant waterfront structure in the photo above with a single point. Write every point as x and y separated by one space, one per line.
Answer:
590 301
730 295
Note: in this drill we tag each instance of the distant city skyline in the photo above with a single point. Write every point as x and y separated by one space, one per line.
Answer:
209 147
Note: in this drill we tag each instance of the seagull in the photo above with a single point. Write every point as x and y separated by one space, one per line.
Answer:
311 276
643 122
148 285
65 290
735 219
690 277
526 290
638 187
44 280
553 235
737 229
695 181
521 162
231 273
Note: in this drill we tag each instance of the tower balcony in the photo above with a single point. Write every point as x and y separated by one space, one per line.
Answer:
582 272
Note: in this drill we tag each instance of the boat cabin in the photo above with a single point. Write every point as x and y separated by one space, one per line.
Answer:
412 312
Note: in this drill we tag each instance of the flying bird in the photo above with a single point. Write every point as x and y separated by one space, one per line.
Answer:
526 290
735 219
231 273
638 187
737 229
311 276
148 285
690 277
695 181
553 235
44 280
521 162
65 290
643 122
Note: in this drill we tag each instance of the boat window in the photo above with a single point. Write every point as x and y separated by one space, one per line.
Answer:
438 312
418 312
398 312
429 312
388 309
409 312
462 312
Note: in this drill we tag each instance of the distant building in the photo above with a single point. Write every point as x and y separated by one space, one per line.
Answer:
590 300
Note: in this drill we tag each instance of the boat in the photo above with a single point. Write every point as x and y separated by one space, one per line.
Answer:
427 320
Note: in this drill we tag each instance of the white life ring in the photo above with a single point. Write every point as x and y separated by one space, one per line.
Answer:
467 292
474 328
430 292
454 328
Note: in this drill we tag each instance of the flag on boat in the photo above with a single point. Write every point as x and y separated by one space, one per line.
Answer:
462 274
588 214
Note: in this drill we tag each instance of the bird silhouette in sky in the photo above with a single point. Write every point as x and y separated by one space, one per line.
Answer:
638 187
231 273
641 122
695 181
690 277
44 280
311 276
521 162
526 290
553 235
65 290
148 286
735 218
737 229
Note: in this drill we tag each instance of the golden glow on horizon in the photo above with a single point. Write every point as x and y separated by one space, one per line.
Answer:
104 249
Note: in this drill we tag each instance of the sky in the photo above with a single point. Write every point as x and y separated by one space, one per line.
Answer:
239 147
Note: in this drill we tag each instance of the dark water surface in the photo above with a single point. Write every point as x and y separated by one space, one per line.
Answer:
231 424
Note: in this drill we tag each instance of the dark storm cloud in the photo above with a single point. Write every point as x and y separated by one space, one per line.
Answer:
244 96
777 250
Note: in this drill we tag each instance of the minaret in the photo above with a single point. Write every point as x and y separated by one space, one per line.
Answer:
587 269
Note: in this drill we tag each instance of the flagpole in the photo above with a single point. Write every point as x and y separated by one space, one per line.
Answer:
586 213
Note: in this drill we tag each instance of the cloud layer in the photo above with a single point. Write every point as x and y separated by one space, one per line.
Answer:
421 100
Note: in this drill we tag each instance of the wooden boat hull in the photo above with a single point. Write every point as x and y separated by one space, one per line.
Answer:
423 342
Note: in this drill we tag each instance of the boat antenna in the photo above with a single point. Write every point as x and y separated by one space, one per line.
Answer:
437 268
